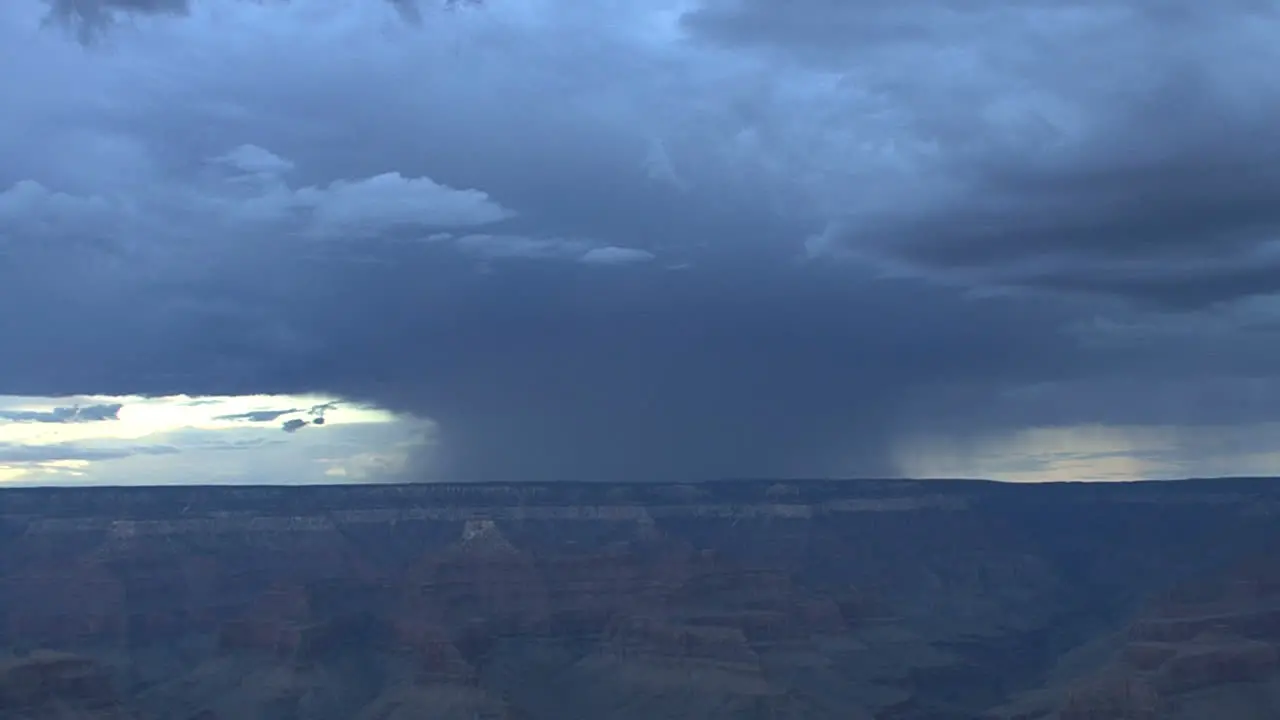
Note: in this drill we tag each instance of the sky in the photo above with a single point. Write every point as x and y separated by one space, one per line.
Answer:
638 239
245 439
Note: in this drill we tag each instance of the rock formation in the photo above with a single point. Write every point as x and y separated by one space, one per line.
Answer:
725 600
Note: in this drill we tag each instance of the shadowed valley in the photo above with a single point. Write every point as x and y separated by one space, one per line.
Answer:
888 600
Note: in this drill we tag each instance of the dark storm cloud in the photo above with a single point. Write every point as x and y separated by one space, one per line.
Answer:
411 10
579 246
83 9
1189 223
556 372
1148 165
73 414
838 26
90 18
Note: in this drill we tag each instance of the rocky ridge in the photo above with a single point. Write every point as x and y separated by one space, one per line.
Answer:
945 599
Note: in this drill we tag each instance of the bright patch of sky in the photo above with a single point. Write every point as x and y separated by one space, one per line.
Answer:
259 439
1098 453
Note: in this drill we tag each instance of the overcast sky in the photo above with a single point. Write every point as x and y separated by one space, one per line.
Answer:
651 239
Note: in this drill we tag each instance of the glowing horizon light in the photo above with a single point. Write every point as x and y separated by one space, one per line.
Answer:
186 439
1097 453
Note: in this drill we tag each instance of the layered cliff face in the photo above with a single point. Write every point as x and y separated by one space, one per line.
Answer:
727 600
1207 649
50 686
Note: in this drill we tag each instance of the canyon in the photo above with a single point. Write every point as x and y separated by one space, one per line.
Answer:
887 600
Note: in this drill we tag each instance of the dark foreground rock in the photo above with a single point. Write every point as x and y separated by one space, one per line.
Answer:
891 600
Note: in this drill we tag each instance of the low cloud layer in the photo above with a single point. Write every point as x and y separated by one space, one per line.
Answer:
651 240
260 416
10 453
72 414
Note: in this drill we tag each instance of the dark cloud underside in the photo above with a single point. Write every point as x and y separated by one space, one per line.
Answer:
90 18
259 416
776 246
73 414
1138 155
556 373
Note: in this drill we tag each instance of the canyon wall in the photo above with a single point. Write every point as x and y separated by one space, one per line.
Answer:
752 599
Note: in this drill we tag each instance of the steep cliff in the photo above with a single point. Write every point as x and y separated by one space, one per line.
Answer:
944 599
